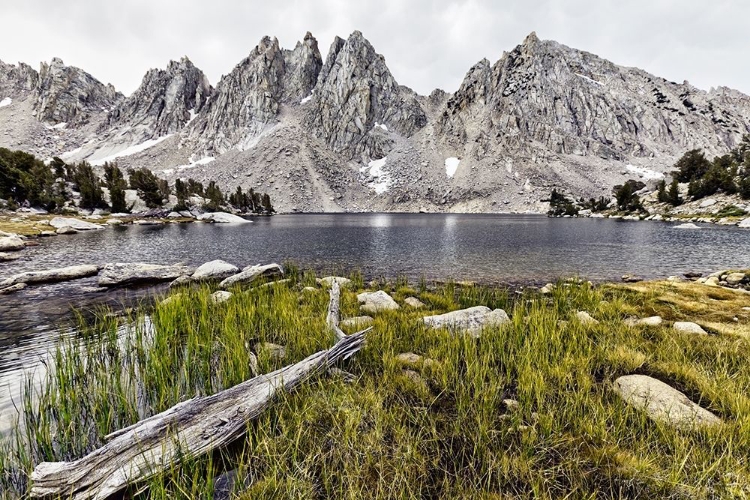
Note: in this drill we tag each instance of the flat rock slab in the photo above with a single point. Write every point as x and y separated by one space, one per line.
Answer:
77 224
735 278
650 321
662 402
414 302
251 274
215 270
329 280
471 320
66 230
11 244
53 275
357 322
373 302
689 327
687 225
222 218
121 274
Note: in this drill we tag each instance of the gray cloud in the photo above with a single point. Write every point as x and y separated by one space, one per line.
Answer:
427 43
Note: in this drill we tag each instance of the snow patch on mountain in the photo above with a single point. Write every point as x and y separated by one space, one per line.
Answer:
138 148
644 173
202 161
381 180
451 165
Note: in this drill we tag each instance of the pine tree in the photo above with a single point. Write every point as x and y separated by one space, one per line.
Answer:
89 186
673 196
266 202
117 185
147 184
182 194
214 196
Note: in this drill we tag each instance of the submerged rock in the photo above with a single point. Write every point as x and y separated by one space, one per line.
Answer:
53 275
5 257
77 224
373 302
7 290
121 274
252 274
222 218
471 320
662 402
687 225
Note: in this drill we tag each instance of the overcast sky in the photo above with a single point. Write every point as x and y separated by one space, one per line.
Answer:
426 43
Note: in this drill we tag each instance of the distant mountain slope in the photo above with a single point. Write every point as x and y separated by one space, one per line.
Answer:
342 134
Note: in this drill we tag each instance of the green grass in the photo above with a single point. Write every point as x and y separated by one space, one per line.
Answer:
445 433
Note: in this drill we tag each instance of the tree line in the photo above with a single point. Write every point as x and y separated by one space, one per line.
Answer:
728 174
28 181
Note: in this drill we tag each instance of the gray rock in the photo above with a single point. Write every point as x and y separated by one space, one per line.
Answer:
357 322
735 278
77 224
122 274
687 225
220 296
54 275
415 360
47 234
414 302
374 302
11 244
547 289
148 222
662 402
5 257
585 318
745 223
689 327
114 222
471 320
215 270
251 274
650 321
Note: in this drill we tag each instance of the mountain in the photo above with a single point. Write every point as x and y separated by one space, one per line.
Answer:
340 133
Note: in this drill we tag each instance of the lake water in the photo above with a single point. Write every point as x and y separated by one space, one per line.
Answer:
512 249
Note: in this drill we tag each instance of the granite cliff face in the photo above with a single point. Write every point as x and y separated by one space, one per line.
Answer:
344 135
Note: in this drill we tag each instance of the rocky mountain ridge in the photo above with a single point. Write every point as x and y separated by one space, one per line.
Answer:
341 134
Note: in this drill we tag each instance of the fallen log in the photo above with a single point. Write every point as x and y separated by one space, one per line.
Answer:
190 428
334 315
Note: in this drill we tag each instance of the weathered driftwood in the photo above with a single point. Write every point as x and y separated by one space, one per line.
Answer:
190 428
334 314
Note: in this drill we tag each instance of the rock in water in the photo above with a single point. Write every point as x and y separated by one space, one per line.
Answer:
373 302
54 275
687 225
223 218
689 327
471 320
122 274
662 402
215 270
7 290
5 257
11 244
77 224
251 274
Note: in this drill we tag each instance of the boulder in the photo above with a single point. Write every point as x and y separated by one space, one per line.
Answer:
735 278
411 359
471 320
114 222
709 202
547 289
148 222
46 234
66 230
54 275
689 327
11 244
251 274
329 280
629 278
357 322
215 270
414 302
174 215
373 302
77 224
220 296
745 223
121 274
662 402
650 321
586 319
711 281
222 218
